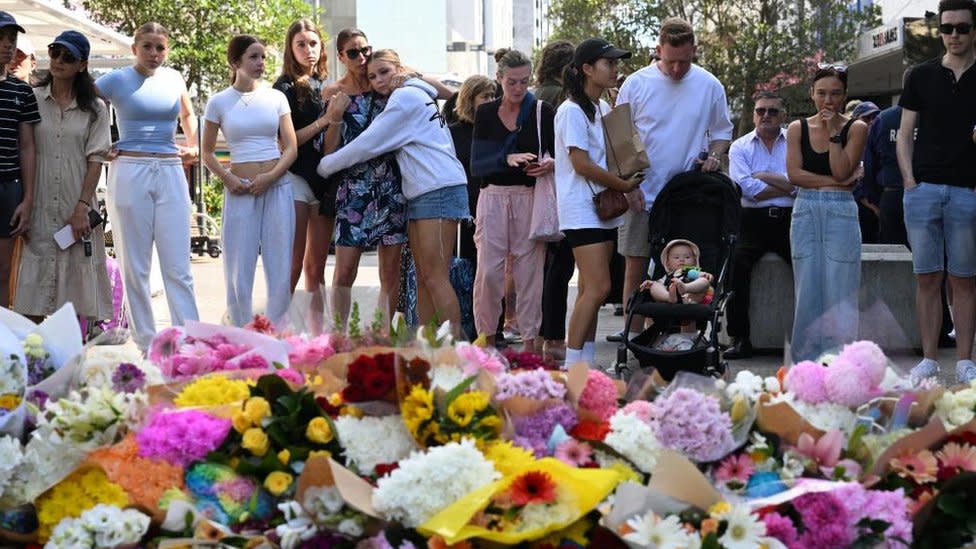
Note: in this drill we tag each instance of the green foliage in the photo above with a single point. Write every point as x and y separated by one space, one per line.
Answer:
213 200
200 29
747 44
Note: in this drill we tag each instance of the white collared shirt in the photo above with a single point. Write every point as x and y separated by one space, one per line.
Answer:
748 155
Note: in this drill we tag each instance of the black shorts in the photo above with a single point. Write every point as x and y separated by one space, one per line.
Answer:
583 237
11 195
327 198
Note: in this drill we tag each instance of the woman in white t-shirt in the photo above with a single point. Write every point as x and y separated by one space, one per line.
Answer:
258 212
580 175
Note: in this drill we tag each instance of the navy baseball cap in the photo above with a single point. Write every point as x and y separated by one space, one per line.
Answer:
7 20
74 42
592 49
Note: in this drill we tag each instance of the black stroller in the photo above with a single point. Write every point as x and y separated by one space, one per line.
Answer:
703 208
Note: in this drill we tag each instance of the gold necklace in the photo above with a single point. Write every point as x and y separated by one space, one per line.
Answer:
241 95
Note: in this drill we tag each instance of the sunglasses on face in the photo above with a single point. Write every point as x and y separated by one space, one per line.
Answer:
63 53
763 112
961 28
839 67
354 53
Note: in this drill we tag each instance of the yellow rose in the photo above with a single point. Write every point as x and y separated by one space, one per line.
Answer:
256 441
460 412
319 431
284 456
240 421
256 409
277 482
319 453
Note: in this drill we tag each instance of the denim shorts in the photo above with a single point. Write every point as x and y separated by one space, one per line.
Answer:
940 221
446 203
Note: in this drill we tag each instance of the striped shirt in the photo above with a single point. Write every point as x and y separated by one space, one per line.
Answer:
17 105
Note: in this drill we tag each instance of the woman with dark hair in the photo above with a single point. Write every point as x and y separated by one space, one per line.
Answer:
559 265
304 73
148 200
822 156
259 213
508 150
72 141
581 172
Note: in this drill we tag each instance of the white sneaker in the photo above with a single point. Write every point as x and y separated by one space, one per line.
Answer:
965 371
925 369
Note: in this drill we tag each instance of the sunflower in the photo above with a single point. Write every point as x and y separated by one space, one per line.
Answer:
920 467
418 406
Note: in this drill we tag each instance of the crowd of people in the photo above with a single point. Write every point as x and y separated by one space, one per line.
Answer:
370 160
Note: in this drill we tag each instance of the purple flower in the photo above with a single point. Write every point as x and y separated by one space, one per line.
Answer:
182 437
780 528
825 521
39 398
692 423
533 432
128 378
536 384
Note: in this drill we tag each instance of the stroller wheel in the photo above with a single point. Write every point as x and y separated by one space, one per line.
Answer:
214 251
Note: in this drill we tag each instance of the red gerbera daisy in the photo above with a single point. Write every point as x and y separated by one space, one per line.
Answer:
532 487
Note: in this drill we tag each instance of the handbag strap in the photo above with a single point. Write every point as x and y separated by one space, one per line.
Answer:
599 109
538 125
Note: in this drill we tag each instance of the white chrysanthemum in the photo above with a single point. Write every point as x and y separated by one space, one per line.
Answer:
322 502
13 376
426 483
446 377
956 409
772 384
743 529
653 532
101 362
825 416
371 441
70 533
747 385
634 439
11 455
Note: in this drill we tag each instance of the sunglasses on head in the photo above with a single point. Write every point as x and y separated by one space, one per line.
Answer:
60 51
961 28
763 112
354 53
839 67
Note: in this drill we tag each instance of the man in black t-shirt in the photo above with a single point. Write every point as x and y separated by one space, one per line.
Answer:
18 114
939 173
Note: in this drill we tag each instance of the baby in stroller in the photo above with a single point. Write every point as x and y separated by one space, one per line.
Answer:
684 280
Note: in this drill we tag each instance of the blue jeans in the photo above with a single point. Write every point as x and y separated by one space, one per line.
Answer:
940 220
825 242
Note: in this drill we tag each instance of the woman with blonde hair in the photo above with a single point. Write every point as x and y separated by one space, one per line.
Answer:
434 181
304 74
148 195
259 214
475 91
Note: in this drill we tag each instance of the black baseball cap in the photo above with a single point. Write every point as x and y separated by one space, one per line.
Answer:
74 42
592 49
7 20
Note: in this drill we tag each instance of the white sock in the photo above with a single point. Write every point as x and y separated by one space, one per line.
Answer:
589 352
573 356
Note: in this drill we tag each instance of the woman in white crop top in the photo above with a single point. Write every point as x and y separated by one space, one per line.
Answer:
258 216
148 195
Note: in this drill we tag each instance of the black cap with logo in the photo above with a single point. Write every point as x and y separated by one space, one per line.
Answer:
592 49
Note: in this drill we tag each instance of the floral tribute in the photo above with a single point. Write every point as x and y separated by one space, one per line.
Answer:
371 378
180 355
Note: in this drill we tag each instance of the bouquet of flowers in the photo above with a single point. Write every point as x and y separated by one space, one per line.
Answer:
212 390
693 423
13 383
198 349
144 480
535 384
426 483
369 442
79 492
723 526
90 417
436 418
850 379
957 408
371 378
546 496
274 432
182 437
101 526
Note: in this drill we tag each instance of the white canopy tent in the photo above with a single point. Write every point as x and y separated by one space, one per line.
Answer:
45 19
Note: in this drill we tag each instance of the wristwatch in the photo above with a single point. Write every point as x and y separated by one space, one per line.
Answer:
835 139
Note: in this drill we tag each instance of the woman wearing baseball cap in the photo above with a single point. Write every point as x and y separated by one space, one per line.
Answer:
72 140
581 172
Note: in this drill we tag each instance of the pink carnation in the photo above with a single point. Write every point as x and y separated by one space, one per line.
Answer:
476 359
248 361
847 384
640 408
600 395
781 528
867 356
806 380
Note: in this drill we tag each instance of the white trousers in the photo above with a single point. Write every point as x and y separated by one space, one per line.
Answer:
262 224
149 201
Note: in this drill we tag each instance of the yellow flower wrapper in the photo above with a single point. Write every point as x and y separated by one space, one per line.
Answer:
588 488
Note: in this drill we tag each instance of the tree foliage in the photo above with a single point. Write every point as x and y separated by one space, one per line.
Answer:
200 30
749 45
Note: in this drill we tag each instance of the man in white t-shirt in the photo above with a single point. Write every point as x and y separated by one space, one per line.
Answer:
680 111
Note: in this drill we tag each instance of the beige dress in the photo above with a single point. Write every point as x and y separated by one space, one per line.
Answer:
49 277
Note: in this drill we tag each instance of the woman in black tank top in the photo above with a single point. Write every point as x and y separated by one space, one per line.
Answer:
822 159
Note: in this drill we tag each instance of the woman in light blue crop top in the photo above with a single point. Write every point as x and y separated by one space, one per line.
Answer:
259 214
148 194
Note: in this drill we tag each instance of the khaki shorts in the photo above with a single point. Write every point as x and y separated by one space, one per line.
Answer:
632 236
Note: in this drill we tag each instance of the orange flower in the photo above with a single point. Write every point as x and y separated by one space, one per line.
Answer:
709 526
532 487
920 467
144 480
